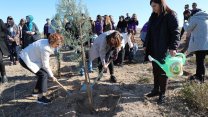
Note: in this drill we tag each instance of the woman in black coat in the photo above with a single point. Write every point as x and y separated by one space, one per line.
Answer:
30 32
162 38
122 25
3 51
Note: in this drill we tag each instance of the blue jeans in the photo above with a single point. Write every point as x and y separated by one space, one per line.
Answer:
18 49
90 66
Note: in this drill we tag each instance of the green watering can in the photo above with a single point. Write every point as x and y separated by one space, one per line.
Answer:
173 66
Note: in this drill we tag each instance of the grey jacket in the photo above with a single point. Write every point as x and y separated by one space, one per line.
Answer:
198 27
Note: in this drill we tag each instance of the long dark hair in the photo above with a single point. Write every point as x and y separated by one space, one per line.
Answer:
21 21
164 10
12 21
164 7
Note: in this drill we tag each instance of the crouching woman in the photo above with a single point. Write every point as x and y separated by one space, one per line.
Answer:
106 47
35 58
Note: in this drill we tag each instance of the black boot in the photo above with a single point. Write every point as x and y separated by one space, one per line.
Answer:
113 79
4 79
161 99
197 78
201 78
153 93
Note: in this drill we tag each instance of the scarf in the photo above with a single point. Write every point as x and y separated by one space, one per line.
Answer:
30 23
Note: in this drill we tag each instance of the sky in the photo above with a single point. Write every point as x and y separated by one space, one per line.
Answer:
42 9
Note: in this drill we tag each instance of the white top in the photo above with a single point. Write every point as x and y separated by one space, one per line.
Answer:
37 56
100 47
126 39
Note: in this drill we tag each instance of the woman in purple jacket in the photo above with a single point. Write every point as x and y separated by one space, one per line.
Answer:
133 23
99 25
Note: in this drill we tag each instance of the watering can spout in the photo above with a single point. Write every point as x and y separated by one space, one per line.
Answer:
156 61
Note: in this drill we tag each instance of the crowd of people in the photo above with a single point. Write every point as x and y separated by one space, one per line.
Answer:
111 44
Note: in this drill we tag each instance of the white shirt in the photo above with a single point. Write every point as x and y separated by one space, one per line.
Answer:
126 39
37 56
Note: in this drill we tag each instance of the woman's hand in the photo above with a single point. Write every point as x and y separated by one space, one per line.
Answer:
28 32
173 53
10 38
32 33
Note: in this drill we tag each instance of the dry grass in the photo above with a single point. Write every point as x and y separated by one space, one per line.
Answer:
196 95
144 80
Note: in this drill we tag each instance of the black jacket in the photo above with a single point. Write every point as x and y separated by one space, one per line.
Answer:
122 24
28 39
3 33
162 35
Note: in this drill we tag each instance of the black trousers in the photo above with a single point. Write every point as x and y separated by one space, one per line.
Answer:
47 35
13 52
2 66
110 66
128 53
200 66
160 79
121 56
41 84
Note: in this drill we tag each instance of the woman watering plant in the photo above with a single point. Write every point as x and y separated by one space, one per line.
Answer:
162 38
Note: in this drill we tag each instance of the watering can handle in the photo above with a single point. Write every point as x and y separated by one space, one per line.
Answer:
150 58
182 56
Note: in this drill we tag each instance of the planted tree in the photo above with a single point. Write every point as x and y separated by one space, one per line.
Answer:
72 21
